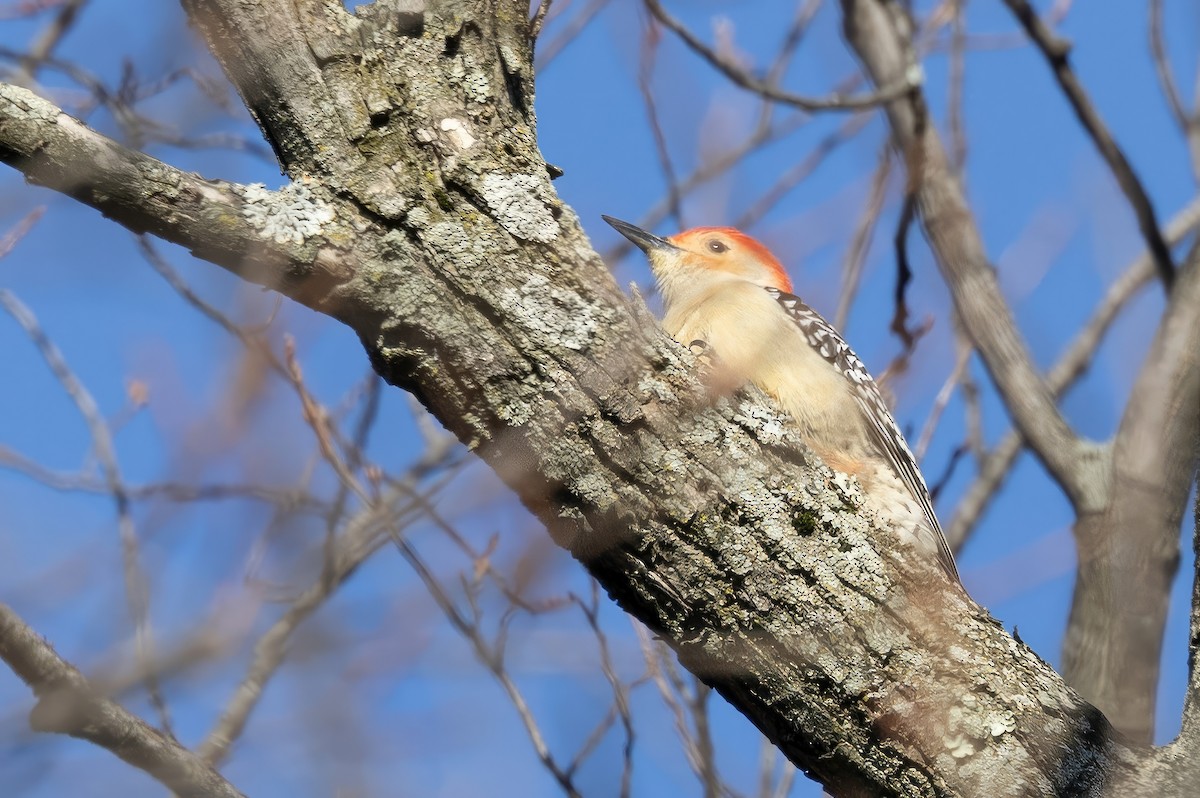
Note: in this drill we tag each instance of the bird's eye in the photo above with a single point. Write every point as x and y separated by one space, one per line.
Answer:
717 245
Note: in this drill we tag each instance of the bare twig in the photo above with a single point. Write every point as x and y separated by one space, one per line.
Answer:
571 29
698 705
620 708
1189 124
539 18
881 40
957 79
136 589
317 419
1056 51
287 498
899 324
764 133
253 341
860 241
47 41
1071 365
961 359
20 230
492 657
1162 67
646 62
363 535
799 172
741 77
67 704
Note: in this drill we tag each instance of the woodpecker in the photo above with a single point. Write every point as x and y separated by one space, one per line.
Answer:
726 293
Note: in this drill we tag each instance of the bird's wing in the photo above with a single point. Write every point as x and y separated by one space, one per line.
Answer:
881 426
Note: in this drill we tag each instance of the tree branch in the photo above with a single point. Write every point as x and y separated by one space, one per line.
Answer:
740 76
1128 554
68 705
1071 365
877 31
265 237
474 287
1056 52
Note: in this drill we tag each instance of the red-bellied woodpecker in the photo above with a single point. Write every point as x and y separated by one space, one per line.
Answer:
725 291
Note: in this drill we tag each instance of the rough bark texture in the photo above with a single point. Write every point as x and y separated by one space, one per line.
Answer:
409 135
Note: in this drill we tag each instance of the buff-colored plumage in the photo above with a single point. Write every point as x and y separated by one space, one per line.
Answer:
722 287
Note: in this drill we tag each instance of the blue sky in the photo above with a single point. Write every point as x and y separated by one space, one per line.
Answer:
1053 221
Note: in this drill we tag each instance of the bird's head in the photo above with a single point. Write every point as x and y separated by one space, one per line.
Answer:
706 252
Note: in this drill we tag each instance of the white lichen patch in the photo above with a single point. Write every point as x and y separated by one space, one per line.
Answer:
969 730
767 425
466 72
32 106
457 132
595 490
847 487
519 205
649 386
287 216
554 313
1001 722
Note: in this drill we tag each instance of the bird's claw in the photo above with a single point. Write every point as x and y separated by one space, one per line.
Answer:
706 359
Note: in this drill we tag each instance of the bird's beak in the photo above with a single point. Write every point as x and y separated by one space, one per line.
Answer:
640 238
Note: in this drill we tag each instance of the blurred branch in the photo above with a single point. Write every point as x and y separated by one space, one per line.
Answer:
860 242
743 78
1162 67
363 535
288 498
67 704
878 32
645 75
48 40
962 356
763 134
1056 51
136 588
21 229
684 703
957 81
253 341
576 25
492 657
1189 124
800 171
620 708
1071 365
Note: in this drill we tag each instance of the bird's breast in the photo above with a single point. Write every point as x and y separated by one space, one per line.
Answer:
754 341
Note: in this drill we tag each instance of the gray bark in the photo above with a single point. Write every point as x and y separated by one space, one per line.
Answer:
1129 495
421 214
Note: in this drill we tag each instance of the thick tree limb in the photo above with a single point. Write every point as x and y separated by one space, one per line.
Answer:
68 705
474 287
262 236
877 31
1071 365
1128 554
1121 592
